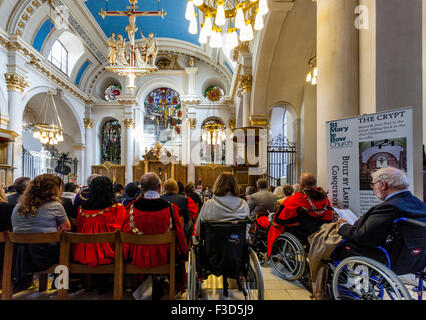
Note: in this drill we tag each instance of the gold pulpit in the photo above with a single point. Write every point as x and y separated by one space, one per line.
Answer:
113 171
163 163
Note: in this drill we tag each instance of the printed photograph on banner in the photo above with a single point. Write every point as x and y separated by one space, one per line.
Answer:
380 154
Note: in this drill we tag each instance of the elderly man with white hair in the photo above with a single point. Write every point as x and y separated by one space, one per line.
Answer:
372 229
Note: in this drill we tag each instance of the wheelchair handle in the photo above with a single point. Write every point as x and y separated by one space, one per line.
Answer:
412 221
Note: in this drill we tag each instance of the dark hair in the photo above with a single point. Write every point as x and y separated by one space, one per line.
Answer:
42 189
118 187
181 187
150 181
132 189
101 194
225 183
189 188
11 189
20 184
250 190
262 183
70 187
287 189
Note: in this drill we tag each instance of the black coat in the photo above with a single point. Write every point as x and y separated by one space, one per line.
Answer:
6 210
373 227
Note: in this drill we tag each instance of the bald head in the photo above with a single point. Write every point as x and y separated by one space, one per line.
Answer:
307 180
150 181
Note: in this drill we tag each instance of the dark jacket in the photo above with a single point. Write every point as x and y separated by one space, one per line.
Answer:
69 207
373 227
13 199
5 216
181 201
196 199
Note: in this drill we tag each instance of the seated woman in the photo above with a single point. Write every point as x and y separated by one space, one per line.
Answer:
187 207
39 210
99 213
225 204
151 214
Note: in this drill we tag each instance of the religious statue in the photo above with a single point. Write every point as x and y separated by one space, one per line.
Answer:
121 54
112 52
150 49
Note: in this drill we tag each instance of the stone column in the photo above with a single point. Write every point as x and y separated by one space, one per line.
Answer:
191 166
128 146
245 83
391 64
338 70
191 72
90 146
16 85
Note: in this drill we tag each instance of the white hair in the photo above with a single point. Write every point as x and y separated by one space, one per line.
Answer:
395 178
279 192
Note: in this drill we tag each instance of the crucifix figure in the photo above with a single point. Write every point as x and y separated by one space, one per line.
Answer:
131 29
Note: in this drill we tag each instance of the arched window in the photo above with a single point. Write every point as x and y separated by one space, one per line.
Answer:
111 142
213 142
163 120
58 56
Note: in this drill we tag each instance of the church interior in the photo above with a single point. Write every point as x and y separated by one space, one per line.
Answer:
191 89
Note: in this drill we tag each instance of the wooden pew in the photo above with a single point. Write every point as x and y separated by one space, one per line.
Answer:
115 268
128 268
24 238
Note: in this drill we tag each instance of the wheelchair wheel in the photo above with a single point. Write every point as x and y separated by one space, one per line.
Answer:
192 276
252 286
288 257
362 278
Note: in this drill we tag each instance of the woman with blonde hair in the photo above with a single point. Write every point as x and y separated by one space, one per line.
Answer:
187 207
225 205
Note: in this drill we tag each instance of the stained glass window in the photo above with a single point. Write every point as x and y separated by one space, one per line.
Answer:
112 92
214 93
111 142
163 119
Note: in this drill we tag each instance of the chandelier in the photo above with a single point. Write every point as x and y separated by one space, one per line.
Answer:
214 136
313 74
226 22
48 131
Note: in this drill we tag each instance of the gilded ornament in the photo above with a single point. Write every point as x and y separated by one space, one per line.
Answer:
88 123
15 82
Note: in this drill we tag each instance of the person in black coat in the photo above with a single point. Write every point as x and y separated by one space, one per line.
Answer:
372 229
19 185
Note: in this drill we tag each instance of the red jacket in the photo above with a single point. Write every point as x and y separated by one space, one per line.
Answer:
286 214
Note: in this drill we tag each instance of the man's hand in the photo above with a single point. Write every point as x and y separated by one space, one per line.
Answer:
340 221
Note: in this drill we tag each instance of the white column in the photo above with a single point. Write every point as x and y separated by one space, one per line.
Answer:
338 76
90 147
16 85
245 86
128 142
391 64
191 72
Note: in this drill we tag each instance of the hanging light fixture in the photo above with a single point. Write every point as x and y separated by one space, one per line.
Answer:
48 131
48 126
214 136
238 16
313 73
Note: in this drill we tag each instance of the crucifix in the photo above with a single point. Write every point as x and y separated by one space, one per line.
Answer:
130 68
131 29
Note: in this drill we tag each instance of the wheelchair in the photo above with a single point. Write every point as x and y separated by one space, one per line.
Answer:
222 250
289 250
259 236
373 275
